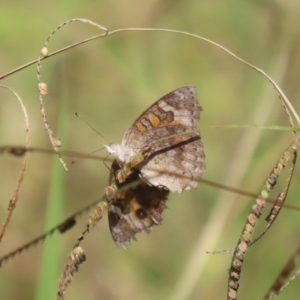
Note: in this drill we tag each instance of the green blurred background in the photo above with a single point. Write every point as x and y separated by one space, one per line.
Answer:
110 82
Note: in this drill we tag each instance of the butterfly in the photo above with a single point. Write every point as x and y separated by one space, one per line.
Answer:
160 152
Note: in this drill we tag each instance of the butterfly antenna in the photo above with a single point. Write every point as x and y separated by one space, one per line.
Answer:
88 124
86 156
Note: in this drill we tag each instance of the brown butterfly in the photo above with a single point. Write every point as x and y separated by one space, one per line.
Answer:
160 152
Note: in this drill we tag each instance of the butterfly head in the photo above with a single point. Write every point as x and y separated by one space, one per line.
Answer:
121 153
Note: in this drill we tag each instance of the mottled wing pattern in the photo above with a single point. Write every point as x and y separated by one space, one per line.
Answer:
175 111
168 129
179 167
135 208
174 161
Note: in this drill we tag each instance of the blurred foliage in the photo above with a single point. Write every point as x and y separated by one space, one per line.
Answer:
110 82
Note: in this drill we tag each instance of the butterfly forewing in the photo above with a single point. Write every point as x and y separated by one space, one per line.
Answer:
179 107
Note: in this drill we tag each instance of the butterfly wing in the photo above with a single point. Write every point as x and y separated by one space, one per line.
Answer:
178 109
135 208
168 129
175 161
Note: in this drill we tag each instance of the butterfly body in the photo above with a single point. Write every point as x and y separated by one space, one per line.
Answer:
160 152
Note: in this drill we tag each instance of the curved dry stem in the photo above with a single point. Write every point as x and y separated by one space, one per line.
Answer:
286 103
252 220
77 256
100 207
280 201
21 150
75 259
221 214
43 87
250 126
13 201
62 227
292 115
279 283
